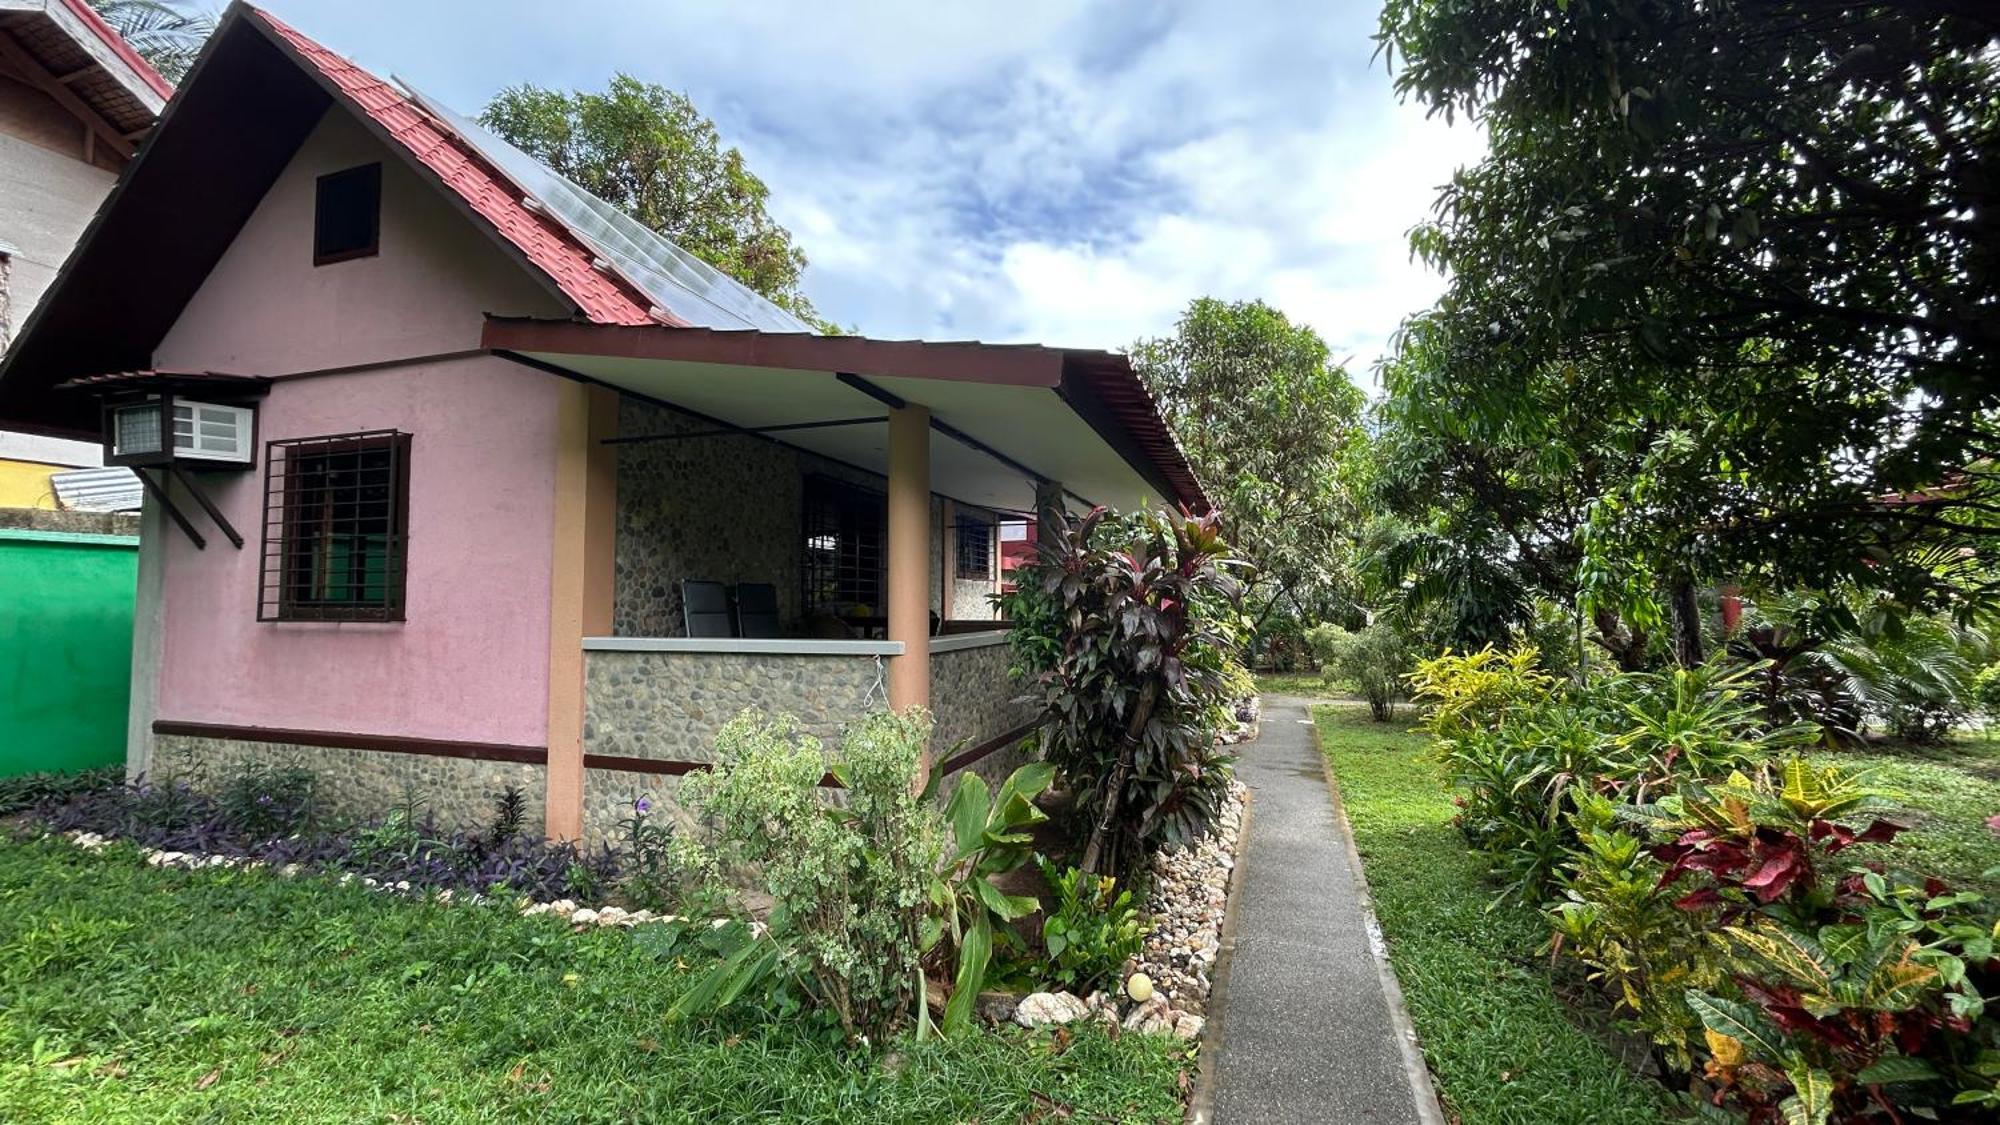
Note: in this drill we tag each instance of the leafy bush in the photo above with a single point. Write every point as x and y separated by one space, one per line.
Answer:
25 791
1093 929
1373 660
1526 748
268 801
863 891
988 840
1986 690
1141 659
1851 991
1475 690
662 869
405 845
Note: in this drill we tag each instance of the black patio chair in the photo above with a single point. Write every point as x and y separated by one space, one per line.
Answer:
705 608
756 609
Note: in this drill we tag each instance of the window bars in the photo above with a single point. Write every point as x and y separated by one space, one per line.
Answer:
336 528
846 539
974 549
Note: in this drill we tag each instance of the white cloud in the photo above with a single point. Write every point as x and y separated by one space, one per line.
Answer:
1050 171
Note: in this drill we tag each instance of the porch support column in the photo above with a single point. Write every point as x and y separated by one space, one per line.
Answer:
910 555
580 587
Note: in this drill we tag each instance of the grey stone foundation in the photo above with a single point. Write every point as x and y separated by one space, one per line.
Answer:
459 792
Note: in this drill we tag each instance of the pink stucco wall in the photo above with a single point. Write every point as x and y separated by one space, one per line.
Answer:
471 660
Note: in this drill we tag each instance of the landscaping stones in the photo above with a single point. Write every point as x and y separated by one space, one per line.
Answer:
1046 1009
1189 895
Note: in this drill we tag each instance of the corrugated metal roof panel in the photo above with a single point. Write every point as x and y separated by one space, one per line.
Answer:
98 490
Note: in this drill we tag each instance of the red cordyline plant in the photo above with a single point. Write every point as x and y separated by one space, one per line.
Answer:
1144 629
1861 998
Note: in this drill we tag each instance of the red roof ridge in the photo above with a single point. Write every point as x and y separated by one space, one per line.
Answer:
541 238
109 36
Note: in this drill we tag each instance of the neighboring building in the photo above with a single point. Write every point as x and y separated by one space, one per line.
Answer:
451 467
1018 543
29 464
75 102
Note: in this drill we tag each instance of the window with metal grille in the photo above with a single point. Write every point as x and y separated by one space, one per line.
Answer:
846 537
975 548
336 528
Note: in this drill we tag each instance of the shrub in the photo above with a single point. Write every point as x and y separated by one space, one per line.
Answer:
1092 931
1526 748
406 845
1474 691
662 869
1851 991
25 791
1373 660
265 802
861 892
1139 674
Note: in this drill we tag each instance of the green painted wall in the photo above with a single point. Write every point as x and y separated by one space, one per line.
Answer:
65 648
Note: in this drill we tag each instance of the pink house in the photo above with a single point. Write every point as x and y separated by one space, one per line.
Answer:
459 479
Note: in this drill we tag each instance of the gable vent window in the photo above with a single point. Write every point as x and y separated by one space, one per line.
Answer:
347 215
336 528
975 549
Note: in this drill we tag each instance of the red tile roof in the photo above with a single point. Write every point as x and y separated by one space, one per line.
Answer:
541 239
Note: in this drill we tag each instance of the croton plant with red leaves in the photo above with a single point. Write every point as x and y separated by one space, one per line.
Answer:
1858 996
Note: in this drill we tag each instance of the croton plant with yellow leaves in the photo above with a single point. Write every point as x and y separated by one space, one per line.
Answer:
1801 986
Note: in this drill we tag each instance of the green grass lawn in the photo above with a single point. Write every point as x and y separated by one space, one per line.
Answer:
1943 795
1503 1048
137 994
1308 684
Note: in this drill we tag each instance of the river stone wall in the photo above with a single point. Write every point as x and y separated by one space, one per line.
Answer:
459 792
974 697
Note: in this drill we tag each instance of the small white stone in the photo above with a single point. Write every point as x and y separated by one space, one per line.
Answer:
583 917
1189 1026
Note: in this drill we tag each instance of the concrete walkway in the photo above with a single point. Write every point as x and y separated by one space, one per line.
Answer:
1308 1028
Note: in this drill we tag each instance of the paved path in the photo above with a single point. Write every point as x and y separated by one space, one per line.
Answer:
1307 1031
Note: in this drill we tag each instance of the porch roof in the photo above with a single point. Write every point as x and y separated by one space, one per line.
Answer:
1004 415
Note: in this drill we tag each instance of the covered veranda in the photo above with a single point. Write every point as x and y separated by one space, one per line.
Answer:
1012 432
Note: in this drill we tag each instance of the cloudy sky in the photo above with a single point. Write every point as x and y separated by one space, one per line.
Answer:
1065 173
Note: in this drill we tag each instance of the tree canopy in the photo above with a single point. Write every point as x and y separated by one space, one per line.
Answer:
1272 427
649 152
168 34
1723 301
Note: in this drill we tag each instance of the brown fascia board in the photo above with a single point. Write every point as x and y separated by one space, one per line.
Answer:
1019 365
163 227
1099 386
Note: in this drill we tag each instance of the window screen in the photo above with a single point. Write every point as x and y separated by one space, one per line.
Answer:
845 536
975 548
336 513
347 215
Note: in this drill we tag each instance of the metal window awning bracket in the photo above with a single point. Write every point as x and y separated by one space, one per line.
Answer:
159 491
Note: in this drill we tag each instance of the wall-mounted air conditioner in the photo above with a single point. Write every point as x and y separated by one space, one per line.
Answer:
161 429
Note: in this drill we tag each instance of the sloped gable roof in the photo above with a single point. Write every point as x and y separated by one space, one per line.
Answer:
541 238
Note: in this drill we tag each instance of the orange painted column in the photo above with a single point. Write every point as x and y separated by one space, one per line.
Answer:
581 585
910 555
